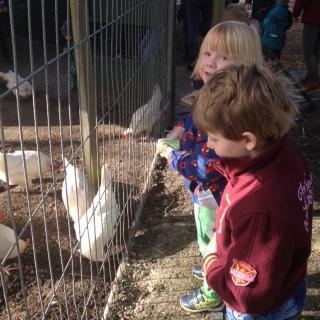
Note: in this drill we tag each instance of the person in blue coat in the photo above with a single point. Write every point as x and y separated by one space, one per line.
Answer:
274 29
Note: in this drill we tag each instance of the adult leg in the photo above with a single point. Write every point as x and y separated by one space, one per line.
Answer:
193 20
4 33
317 48
4 46
206 16
310 45
185 37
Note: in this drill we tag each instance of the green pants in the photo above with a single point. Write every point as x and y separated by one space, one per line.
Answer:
205 219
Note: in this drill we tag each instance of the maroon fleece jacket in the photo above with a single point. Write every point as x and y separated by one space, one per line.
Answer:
263 229
310 11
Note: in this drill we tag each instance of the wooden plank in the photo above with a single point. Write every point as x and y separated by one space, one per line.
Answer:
83 58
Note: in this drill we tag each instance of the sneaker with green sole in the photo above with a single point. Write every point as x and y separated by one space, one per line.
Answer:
198 302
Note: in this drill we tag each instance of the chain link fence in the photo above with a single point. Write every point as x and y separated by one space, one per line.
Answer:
87 93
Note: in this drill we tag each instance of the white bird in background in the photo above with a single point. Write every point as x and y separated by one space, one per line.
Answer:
146 116
74 189
16 169
25 88
96 226
7 239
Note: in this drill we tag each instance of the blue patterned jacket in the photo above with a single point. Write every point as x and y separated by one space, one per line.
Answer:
194 161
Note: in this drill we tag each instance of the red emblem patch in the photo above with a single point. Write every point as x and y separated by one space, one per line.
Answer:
242 273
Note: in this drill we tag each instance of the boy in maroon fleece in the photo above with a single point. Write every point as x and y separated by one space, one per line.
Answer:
258 261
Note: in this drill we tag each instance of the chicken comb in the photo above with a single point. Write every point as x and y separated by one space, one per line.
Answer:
2 215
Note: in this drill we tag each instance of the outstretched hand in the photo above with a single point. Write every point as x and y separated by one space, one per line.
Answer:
163 149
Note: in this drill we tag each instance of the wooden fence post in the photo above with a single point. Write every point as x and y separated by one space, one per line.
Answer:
80 31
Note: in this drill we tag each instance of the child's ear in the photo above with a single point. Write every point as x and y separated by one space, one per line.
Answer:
250 140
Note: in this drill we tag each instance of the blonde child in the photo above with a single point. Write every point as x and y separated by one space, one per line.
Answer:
227 43
263 229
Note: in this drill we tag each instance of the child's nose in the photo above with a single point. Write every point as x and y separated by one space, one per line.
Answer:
212 62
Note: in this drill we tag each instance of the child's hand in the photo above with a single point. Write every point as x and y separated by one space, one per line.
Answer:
163 149
211 254
160 147
166 153
212 245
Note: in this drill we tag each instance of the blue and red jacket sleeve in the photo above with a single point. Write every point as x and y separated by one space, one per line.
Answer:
195 160
198 169
193 166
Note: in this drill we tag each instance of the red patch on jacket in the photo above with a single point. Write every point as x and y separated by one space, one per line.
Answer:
242 273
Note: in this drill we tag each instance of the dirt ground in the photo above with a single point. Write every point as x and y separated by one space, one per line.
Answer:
158 269
65 284
58 280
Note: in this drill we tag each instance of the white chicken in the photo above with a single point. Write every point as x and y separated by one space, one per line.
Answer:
16 170
146 116
96 226
8 239
74 189
25 88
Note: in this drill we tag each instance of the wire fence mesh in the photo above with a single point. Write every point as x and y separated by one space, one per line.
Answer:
77 131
